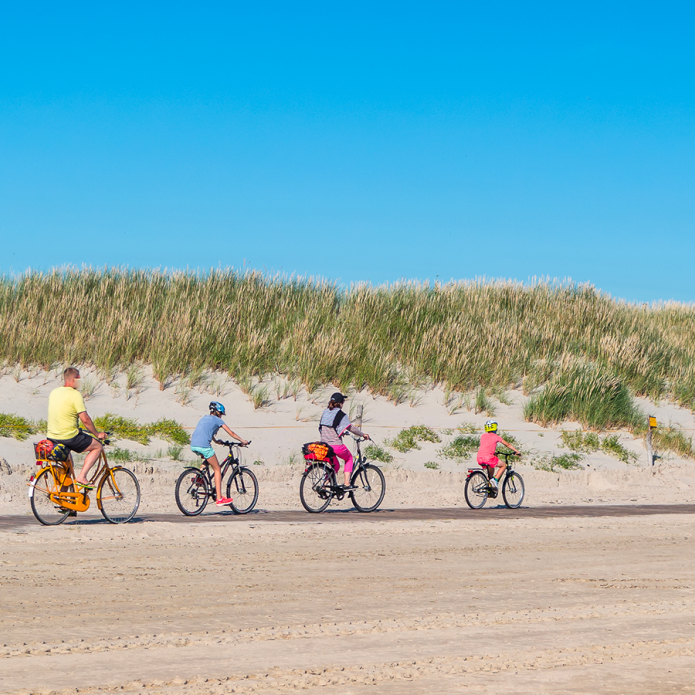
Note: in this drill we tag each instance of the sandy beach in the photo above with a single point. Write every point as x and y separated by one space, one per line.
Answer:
551 606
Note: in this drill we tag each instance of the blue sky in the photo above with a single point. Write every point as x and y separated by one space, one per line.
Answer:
356 142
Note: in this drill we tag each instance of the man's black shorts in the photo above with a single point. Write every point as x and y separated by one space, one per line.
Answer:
78 443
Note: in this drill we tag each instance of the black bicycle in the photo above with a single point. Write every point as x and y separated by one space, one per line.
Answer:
319 484
196 486
478 487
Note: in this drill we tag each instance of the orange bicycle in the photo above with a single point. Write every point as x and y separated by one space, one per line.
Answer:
53 496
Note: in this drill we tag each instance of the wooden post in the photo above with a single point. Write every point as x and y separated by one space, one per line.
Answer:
359 410
650 448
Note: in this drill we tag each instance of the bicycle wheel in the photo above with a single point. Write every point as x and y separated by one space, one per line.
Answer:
315 489
45 510
242 487
513 490
192 491
476 490
119 493
371 488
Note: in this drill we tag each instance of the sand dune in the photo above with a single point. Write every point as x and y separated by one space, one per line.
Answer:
278 431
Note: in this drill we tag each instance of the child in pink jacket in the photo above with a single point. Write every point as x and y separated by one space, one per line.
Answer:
486 452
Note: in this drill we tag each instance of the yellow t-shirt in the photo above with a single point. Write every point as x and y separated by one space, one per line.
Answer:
64 405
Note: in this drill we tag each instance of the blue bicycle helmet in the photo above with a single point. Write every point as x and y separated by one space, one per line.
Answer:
216 407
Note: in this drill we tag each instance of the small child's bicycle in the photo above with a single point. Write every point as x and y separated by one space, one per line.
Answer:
53 496
319 484
478 487
196 486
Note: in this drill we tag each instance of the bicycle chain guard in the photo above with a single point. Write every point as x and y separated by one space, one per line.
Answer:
75 501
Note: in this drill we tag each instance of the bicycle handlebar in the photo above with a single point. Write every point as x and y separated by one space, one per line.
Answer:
106 440
507 454
231 444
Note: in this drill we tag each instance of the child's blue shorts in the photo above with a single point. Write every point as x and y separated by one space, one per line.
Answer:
206 451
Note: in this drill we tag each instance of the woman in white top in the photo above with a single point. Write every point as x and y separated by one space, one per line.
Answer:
334 424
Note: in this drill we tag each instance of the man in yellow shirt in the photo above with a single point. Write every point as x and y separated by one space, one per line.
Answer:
65 410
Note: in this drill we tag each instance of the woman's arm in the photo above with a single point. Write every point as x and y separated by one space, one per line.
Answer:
357 431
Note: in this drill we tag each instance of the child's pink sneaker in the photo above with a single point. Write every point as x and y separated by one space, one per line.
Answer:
225 501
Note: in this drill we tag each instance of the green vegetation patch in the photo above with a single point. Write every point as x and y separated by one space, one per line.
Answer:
611 445
18 427
128 428
122 428
175 452
169 430
483 404
460 448
566 462
432 464
122 455
589 442
672 439
378 453
585 442
408 439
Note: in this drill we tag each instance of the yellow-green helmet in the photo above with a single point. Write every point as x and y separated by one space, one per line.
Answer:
491 426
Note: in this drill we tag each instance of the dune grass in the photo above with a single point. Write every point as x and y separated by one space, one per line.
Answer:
465 335
588 393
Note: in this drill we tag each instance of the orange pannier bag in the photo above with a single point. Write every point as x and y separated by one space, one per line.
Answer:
317 451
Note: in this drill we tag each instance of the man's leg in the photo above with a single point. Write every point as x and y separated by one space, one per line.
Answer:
93 451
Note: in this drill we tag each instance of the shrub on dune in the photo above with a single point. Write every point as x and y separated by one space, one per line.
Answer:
586 393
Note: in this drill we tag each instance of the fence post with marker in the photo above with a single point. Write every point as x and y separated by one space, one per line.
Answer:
650 447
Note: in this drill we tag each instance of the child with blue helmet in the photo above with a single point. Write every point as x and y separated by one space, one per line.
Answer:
203 436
